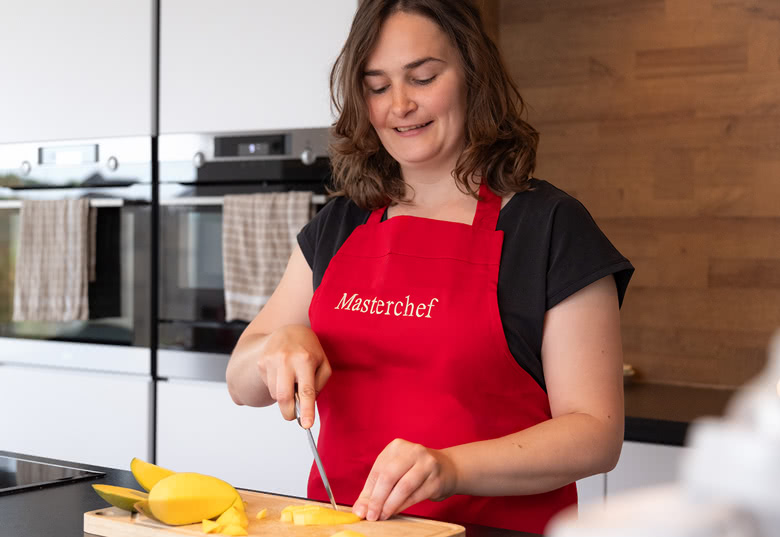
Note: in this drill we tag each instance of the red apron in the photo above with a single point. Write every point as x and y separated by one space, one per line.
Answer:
407 313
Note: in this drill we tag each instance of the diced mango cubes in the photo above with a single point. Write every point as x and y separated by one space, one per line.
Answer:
261 514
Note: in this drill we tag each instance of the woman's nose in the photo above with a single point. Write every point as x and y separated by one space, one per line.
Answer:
402 103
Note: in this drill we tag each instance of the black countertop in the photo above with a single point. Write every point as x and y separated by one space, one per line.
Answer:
58 510
661 413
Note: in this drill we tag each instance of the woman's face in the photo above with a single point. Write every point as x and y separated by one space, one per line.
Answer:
416 93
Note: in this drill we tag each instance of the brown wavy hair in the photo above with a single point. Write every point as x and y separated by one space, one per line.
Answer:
500 146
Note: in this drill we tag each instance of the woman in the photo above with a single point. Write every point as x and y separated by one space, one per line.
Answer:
463 343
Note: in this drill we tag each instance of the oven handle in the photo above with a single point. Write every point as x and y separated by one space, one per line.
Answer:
97 202
317 199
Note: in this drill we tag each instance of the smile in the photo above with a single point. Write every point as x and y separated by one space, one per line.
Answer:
413 127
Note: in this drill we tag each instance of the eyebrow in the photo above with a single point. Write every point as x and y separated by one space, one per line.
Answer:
412 65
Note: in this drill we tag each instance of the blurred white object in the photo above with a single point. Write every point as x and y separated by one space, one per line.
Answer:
659 511
729 479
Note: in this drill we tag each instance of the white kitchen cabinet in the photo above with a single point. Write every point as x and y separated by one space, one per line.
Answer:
642 465
75 69
244 65
591 490
94 418
200 429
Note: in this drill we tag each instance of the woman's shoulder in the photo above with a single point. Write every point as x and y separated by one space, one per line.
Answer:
541 200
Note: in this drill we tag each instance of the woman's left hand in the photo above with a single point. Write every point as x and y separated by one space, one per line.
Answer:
405 474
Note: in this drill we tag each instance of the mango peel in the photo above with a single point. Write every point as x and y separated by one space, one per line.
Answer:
121 497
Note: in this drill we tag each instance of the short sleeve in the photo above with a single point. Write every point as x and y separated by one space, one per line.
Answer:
580 254
322 237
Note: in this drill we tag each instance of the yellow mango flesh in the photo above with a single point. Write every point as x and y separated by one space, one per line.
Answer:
233 517
348 533
121 497
261 514
148 474
187 498
209 526
316 515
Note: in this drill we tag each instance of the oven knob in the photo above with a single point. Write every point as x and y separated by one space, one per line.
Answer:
25 168
112 163
308 157
199 159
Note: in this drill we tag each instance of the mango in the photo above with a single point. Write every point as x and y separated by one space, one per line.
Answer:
121 497
209 526
233 517
187 498
148 474
143 508
261 514
316 515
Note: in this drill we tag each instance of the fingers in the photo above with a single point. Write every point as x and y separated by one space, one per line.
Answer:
306 395
403 474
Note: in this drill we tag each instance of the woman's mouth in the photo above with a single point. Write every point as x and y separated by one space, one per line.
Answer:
411 128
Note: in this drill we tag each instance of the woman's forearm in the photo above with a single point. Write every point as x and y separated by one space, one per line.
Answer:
539 459
244 383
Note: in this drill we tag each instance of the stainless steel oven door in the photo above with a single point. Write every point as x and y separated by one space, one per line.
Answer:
115 175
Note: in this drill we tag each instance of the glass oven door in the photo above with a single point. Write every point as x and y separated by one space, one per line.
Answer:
115 175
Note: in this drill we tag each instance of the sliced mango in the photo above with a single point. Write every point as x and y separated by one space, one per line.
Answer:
348 533
188 497
261 514
315 515
209 526
143 508
234 530
233 517
148 474
121 497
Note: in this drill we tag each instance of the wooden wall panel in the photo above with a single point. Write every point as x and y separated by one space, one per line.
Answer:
663 118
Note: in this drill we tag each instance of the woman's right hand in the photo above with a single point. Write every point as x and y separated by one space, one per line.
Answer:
292 355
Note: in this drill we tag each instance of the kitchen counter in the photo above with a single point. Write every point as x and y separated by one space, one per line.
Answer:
57 511
661 413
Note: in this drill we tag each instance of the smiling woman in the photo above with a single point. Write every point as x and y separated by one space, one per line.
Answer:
425 87
455 319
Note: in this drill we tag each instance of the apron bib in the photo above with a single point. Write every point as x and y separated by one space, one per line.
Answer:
407 313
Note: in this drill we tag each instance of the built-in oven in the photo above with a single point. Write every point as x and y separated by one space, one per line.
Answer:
196 172
115 176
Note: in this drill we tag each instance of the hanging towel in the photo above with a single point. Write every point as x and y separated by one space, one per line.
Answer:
52 264
258 235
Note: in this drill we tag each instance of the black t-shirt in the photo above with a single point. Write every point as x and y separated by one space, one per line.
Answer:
552 249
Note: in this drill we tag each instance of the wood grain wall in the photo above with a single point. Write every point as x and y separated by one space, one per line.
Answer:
663 118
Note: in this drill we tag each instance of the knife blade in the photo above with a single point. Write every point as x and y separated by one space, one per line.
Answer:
316 454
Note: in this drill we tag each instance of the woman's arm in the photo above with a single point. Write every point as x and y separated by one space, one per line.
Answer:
582 358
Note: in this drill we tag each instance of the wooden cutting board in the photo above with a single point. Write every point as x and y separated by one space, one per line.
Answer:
114 522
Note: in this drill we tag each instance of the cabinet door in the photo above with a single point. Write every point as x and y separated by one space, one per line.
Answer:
200 429
244 65
93 418
591 490
642 464
75 69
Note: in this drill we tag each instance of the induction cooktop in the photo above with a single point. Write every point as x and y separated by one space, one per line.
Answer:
19 474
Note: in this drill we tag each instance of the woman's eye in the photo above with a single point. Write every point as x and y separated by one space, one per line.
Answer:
425 81
377 91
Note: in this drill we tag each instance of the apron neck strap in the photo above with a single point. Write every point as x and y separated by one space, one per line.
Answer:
488 207
486 217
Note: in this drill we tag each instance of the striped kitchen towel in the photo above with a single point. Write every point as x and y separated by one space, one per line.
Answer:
259 232
53 261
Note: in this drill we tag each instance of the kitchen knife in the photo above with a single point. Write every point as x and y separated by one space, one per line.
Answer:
315 453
